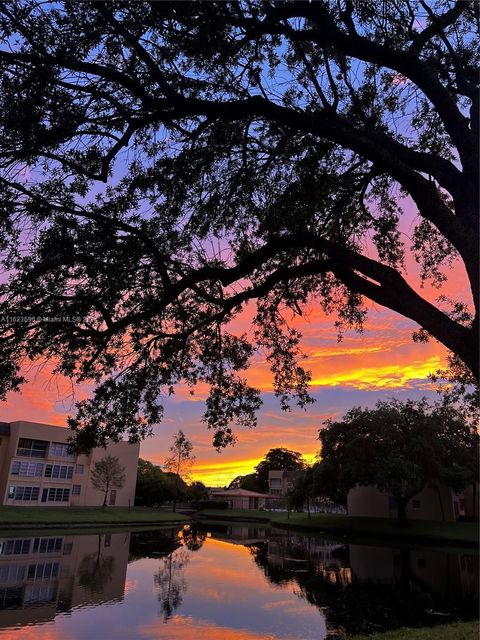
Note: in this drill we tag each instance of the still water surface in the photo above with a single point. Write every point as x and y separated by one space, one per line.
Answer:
224 583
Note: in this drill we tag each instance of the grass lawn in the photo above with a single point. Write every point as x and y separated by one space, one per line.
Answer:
23 516
461 533
457 631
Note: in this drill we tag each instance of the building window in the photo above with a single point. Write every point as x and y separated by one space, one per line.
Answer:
275 482
32 448
60 450
27 494
40 593
30 469
113 497
55 494
12 573
79 468
76 489
15 547
42 571
62 471
416 504
47 545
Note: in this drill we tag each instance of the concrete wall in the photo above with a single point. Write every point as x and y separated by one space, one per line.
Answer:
430 504
368 502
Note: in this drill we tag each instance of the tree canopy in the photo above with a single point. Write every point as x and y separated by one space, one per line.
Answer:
165 163
399 448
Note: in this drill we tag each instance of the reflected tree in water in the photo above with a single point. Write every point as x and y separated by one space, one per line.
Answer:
354 605
96 570
170 579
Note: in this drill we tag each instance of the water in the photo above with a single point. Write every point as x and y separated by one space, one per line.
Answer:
224 583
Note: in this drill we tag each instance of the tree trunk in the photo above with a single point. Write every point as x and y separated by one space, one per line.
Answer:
402 512
308 508
105 500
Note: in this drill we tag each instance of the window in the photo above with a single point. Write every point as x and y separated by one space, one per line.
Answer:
47 545
55 494
32 448
42 571
113 497
275 482
79 469
39 593
61 471
60 450
416 504
276 492
27 494
392 503
15 547
76 490
30 469
12 573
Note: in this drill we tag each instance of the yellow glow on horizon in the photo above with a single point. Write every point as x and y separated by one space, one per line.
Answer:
391 376
220 474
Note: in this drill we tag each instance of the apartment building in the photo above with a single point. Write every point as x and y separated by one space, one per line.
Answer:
36 468
281 481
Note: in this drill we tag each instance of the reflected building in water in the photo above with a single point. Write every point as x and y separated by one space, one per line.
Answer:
44 575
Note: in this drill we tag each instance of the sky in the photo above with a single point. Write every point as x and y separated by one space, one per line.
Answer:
381 363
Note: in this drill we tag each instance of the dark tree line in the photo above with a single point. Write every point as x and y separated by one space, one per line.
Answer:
165 163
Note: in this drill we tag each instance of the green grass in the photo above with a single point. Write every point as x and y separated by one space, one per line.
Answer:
457 631
460 533
71 516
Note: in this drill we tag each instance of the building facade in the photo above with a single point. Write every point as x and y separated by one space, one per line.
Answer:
36 468
280 481
433 503
240 498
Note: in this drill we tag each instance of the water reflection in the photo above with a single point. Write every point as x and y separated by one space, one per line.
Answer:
234 583
46 575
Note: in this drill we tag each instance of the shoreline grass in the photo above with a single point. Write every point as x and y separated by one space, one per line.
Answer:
20 518
454 631
444 533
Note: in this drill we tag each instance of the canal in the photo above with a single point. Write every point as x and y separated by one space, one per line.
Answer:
225 583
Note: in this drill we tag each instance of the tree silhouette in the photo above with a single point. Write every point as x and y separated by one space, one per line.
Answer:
107 474
268 152
180 461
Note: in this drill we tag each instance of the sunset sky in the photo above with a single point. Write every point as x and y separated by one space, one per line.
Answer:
380 363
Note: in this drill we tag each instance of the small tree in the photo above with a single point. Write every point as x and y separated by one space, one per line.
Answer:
107 474
180 462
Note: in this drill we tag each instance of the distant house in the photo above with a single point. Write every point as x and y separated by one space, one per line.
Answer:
37 468
432 503
240 498
280 481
